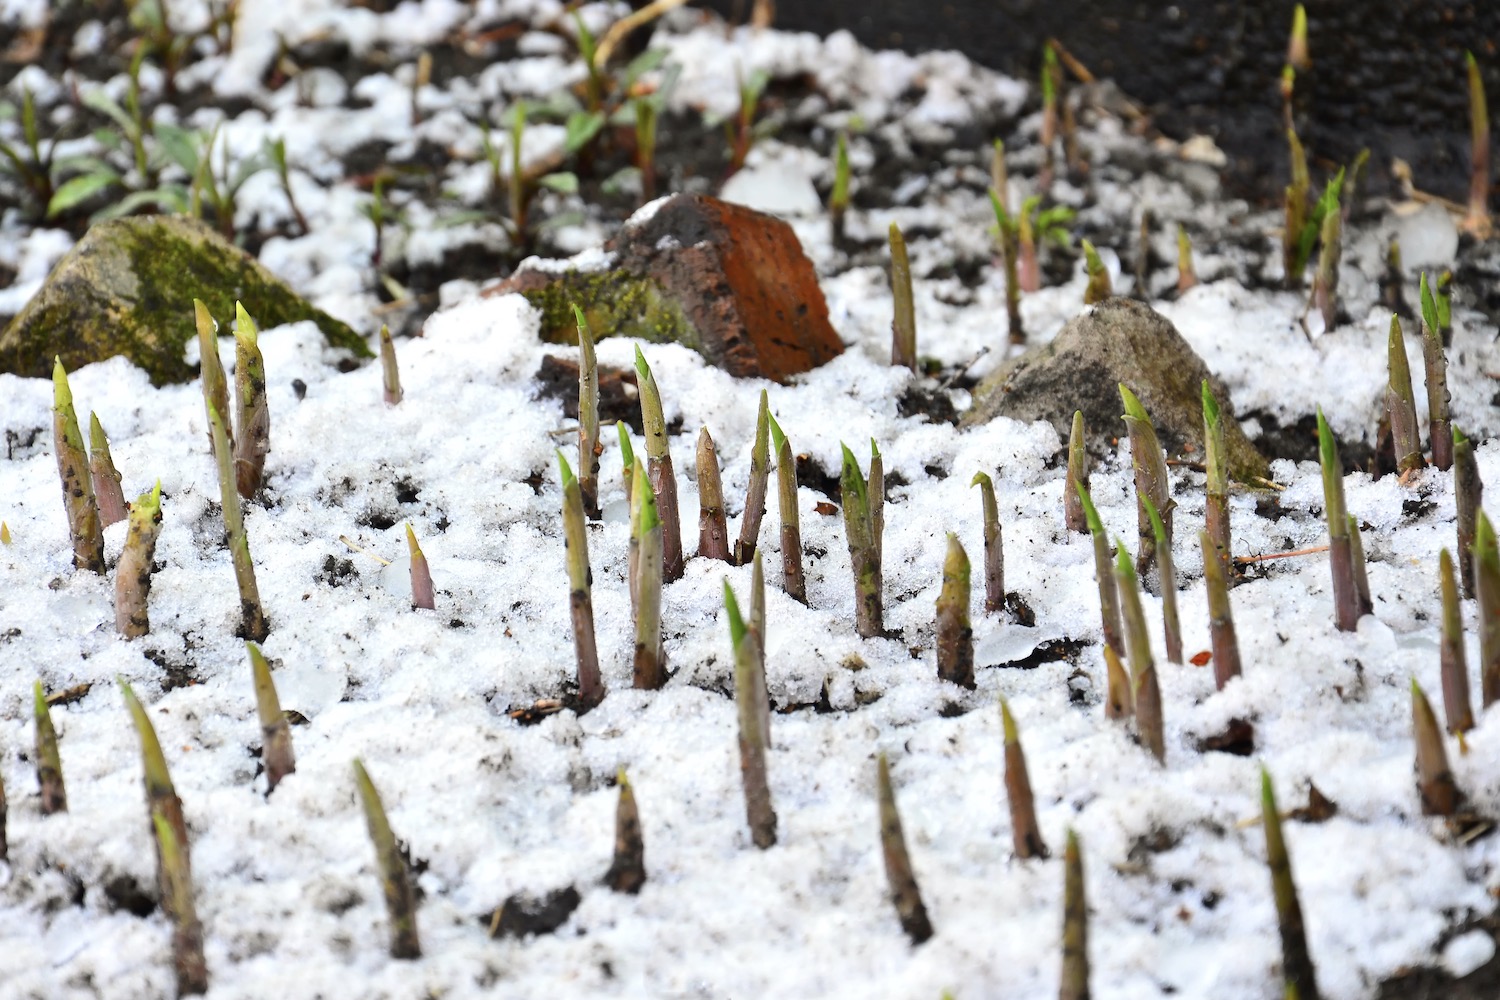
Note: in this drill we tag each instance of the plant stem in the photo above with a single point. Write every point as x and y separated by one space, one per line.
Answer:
792 580
1119 703
627 459
1170 622
1099 287
659 468
1435 366
1296 963
252 619
898 870
580 596
955 637
1361 576
1487 596
133 573
838 198
1454 664
49 774
1109 599
859 531
1026 838
1148 460
275 732
1143 685
1340 551
1435 784
1326 279
749 670
1075 935
1078 476
252 429
1296 212
1216 505
108 495
904 325
423 594
994 545
161 797
1468 495
627 873
215 384
390 374
589 446
395 880
84 525
1478 220
1186 277
650 671
713 532
1400 403
755 493
188 965
1225 644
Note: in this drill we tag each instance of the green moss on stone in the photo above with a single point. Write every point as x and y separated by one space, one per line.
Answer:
127 288
615 304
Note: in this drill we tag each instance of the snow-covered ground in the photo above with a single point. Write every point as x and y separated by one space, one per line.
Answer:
1179 893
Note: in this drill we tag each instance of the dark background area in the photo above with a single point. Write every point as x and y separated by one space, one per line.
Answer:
1388 74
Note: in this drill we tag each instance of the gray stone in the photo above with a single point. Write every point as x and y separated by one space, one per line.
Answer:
1116 341
128 288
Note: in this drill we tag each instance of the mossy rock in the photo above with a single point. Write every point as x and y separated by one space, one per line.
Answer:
1117 341
615 303
127 288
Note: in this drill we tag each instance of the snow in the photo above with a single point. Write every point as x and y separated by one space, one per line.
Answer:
1179 894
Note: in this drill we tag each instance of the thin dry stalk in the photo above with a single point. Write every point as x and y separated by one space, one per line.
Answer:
84 524
252 427
1487 597
252 619
390 373
1453 662
133 572
1078 476
1026 837
1400 403
49 774
1171 625
1109 599
589 445
423 595
1216 505
904 325
627 873
659 471
1296 963
650 668
108 495
580 595
792 580
275 732
994 547
1221 635
1149 462
1075 935
1478 221
161 798
1435 784
864 557
395 879
898 870
755 493
1340 548
955 637
1435 368
1468 497
1143 685
749 665
713 530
